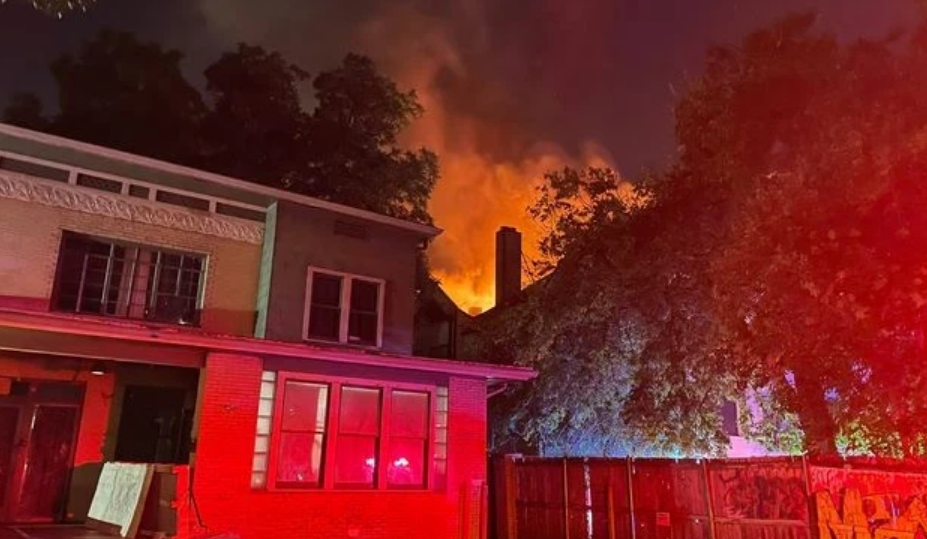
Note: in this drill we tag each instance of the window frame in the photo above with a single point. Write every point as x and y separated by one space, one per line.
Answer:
335 383
344 320
56 292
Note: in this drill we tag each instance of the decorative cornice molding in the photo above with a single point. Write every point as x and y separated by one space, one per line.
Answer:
60 195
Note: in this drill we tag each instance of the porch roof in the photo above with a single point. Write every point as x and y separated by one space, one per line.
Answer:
186 337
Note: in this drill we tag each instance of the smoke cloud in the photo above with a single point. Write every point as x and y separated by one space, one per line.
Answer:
483 99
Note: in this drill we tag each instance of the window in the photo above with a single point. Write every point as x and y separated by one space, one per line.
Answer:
407 452
358 438
302 435
344 308
338 434
730 423
109 278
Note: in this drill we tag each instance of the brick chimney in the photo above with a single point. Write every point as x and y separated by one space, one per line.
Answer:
508 264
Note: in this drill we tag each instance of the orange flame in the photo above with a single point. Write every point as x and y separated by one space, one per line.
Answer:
476 193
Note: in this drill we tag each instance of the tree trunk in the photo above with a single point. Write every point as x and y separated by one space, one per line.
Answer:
817 423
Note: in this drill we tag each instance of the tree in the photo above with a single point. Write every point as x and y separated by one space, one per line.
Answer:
25 110
129 95
60 8
354 155
782 259
818 149
256 127
616 330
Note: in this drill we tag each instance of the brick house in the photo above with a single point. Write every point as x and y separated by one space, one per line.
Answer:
256 342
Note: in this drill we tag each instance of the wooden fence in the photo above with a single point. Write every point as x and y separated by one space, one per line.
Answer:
775 498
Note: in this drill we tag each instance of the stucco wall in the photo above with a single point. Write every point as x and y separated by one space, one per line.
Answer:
306 237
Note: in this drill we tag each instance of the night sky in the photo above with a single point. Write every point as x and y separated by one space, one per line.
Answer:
512 87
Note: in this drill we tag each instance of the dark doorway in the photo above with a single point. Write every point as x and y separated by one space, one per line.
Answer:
38 431
155 426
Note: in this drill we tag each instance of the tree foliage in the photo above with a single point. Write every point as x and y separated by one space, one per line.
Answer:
126 94
60 8
252 122
781 261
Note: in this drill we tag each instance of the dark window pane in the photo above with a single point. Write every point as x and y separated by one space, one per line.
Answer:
355 462
300 459
32 169
169 260
360 411
409 414
729 423
241 213
406 462
138 191
326 290
100 184
364 296
167 280
363 328
324 322
304 407
182 200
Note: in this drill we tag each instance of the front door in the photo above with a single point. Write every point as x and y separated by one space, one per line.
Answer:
38 430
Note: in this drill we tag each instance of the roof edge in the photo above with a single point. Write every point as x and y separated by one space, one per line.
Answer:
218 179
27 320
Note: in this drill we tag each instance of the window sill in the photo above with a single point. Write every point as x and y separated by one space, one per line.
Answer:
339 344
126 320
371 491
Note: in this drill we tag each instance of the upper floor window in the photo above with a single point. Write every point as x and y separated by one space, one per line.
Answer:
344 308
112 278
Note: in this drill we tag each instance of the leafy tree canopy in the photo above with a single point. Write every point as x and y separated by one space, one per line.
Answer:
782 261
252 121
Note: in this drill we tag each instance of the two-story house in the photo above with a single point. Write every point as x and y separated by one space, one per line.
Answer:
258 340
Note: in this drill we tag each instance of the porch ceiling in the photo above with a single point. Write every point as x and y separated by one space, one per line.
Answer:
98 348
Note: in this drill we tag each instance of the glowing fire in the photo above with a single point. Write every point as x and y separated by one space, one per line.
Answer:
476 193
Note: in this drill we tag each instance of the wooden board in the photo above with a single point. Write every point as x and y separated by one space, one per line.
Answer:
120 498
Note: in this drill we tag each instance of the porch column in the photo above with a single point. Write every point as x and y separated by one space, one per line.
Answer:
467 454
227 405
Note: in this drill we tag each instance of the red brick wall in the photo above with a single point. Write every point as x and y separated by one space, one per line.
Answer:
228 504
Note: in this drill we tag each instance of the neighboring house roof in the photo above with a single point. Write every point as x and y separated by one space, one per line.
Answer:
95 158
190 337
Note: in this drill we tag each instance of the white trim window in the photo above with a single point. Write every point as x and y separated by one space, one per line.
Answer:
343 308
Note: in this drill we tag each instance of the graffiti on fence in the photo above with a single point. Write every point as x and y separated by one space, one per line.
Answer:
870 517
867 482
874 504
760 492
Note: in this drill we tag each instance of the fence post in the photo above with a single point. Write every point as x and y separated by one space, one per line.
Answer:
712 533
506 492
566 500
611 505
631 518
811 501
